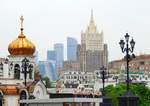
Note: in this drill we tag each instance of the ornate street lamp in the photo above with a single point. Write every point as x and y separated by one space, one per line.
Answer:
25 65
106 101
6 60
1 99
127 50
116 79
11 65
103 77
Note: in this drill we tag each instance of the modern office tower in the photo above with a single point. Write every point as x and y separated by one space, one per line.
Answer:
51 55
59 49
71 49
92 53
41 67
47 68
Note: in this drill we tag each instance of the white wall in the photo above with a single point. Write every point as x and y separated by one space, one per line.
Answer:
11 100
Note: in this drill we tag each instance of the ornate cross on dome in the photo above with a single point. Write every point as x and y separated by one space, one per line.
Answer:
21 19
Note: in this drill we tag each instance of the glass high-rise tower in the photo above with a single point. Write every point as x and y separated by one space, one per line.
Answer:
47 68
71 49
59 50
51 55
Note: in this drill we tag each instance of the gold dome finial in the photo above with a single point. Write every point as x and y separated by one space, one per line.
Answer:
21 19
21 46
21 35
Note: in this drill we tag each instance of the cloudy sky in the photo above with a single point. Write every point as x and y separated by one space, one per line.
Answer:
50 21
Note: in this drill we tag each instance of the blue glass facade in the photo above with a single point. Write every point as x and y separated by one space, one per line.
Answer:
59 49
41 67
71 48
51 55
47 68
52 67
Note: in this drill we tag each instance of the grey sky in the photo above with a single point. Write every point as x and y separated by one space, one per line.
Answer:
51 21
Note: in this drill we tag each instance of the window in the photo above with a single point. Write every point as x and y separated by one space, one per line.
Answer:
17 71
1 66
142 63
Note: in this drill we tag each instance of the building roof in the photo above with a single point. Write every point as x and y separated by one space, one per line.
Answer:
15 89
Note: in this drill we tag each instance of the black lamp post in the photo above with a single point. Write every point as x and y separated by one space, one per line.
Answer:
103 77
1 99
11 65
128 57
128 99
106 100
116 78
25 65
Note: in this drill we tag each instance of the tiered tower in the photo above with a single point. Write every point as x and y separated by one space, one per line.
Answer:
92 53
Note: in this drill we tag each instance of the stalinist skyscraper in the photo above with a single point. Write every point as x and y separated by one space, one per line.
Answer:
92 53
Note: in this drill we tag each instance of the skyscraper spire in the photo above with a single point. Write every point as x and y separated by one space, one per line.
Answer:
92 19
92 27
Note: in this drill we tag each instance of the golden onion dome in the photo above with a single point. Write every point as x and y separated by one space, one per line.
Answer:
21 46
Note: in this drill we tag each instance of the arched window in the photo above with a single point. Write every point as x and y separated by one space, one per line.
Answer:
23 96
1 66
30 71
17 71
1 69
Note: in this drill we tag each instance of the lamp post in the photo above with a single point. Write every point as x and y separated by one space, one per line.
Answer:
25 65
1 99
106 101
11 66
103 77
127 47
116 78
127 50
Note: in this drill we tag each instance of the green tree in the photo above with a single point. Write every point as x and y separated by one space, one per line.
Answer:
139 90
115 92
37 75
47 82
143 93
